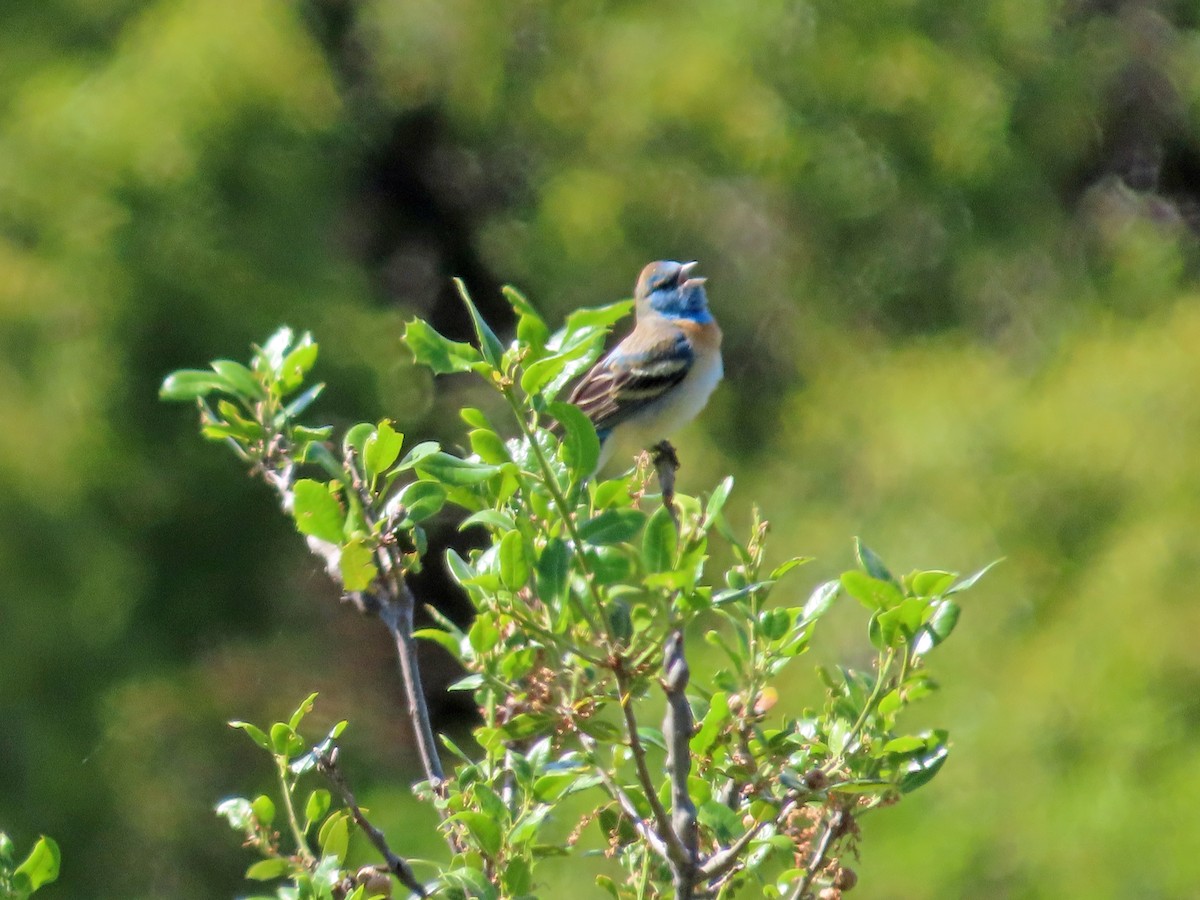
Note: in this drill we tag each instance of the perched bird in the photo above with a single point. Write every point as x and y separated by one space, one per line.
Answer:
658 378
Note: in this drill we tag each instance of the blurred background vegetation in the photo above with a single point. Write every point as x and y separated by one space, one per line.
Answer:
953 248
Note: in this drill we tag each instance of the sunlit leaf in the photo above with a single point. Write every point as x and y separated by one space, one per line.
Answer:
489 344
440 354
871 562
316 511
381 449
357 565
188 384
240 377
581 447
451 470
41 866
972 579
268 869
553 569
514 564
612 526
420 500
660 541
334 836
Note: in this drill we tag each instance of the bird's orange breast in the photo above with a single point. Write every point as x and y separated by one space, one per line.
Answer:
705 337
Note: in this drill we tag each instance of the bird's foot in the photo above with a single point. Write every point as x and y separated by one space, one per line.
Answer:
666 464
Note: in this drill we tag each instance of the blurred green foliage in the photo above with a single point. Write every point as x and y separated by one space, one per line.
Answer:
952 248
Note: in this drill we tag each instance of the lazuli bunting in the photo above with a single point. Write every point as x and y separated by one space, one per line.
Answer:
658 378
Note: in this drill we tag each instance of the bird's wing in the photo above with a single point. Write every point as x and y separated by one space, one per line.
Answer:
632 377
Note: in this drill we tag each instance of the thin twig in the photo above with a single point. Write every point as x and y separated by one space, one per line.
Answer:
627 806
678 853
833 829
721 862
327 764
677 730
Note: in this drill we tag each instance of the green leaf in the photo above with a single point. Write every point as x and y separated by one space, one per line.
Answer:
357 565
191 384
270 356
612 526
486 444
904 744
595 317
237 811
444 638
483 829
317 806
304 401
240 377
859 786
256 734
316 511
458 567
514 564
821 600
418 453
355 439
451 470
873 593
716 502
264 810
297 364
491 518
712 725
334 836
483 635
920 770
931 583
420 500
871 562
517 878
783 568
382 449
268 869
284 740
305 707
489 344
42 864
553 571
620 622
774 623
723 822
938 628
551 369
660 542
580 445
440 354
970 581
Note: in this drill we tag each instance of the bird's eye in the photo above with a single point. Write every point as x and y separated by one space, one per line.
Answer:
663 280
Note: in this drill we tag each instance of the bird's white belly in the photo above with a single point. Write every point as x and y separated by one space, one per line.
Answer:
662 419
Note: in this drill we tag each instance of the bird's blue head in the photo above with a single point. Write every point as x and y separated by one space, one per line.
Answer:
665 288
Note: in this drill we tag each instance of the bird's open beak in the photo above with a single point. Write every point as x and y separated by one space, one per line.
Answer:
684 270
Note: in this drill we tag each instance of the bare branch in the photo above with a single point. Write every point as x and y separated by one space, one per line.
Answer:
678 853
677 730
834 828
720 863
327 764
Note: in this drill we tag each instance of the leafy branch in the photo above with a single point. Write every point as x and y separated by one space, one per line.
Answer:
583 597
